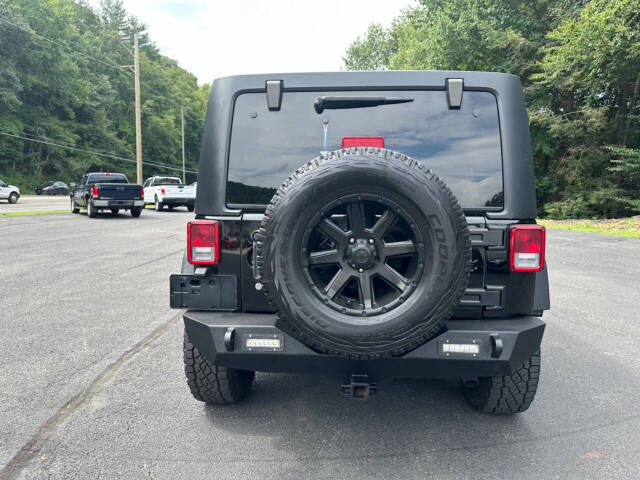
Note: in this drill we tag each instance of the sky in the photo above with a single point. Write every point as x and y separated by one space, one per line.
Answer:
217 38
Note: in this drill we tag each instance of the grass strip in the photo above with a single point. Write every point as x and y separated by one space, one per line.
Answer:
31 212
620 227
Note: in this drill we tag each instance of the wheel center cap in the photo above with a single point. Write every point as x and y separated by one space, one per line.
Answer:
362 254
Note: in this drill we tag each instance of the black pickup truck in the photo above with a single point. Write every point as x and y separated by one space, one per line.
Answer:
366 225
107 191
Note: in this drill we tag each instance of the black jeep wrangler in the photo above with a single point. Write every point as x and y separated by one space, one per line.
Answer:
366 225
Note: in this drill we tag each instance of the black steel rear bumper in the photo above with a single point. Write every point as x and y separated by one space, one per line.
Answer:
503 346
111 203
178 201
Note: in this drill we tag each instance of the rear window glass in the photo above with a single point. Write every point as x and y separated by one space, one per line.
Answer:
461 146
112 178
167 181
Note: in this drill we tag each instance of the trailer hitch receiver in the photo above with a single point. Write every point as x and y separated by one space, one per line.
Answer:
359 387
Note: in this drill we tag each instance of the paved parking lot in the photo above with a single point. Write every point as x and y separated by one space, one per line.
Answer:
93 387
28 203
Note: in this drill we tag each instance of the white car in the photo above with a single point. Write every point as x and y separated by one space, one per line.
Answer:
9 192
169 191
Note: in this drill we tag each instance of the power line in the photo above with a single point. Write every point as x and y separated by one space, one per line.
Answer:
30 31
63 145
121 43
62 142
42 37
89 57
115 157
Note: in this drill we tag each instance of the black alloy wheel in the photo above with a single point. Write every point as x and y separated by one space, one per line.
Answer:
362 255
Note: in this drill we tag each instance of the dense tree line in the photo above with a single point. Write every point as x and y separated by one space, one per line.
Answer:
61 83
579 62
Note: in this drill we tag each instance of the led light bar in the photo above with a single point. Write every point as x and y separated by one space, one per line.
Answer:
270 343
263 343
471 348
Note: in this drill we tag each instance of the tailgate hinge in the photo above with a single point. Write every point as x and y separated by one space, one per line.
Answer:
454 92
274 94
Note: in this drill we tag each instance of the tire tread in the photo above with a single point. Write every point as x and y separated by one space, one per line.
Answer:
507 394
211 383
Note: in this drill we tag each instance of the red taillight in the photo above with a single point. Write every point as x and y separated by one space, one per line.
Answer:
203 245
141 192
95 192
527 248
162 191
348 142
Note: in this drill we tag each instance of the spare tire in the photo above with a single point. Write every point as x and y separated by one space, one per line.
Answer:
364 253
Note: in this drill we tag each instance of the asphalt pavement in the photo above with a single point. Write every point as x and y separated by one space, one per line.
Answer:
27 203
92 382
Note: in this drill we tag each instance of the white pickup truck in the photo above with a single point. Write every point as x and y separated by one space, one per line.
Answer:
169 191
9 192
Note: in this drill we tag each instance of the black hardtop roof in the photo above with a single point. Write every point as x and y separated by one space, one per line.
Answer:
382 78
518 173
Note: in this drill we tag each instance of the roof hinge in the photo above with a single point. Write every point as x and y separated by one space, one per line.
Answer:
454 92
274 94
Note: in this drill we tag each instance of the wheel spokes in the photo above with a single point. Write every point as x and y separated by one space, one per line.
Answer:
358 268
366 290
332 231
324 257
384 223
355 213
391 276
337 283
398 248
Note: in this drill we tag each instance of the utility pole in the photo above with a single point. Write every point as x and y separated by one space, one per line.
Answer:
136 67
184 173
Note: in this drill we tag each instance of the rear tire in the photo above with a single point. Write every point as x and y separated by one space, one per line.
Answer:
191 208
507 394
159 205
13 198
91 209
213 384
136 211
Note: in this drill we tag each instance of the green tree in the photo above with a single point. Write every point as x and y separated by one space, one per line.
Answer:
371 52
579 62
62 83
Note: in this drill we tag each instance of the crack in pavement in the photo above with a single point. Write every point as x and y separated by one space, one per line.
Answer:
154 260
31 449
